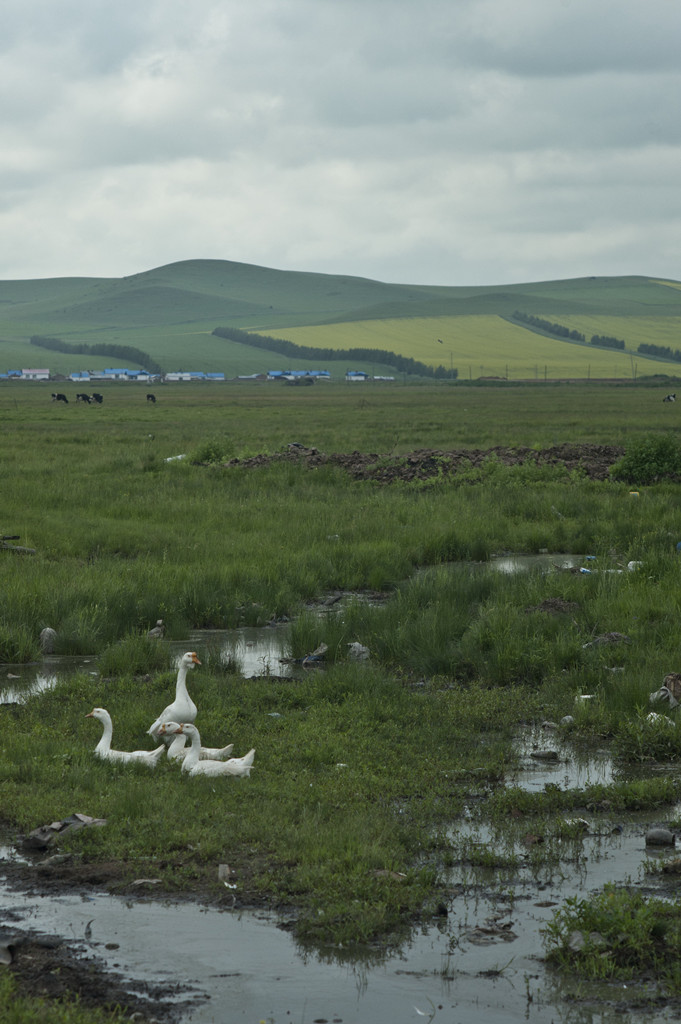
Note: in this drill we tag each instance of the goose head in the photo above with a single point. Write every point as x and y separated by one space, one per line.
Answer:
101 713
189 659
170 728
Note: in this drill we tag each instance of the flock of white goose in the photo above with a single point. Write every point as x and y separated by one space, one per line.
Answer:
175 726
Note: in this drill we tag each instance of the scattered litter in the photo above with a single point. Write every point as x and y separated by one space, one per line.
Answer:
567 720
224 872
174 458
669 691
582 698
659 837
40 838
672 867
53 861
147 881
581 822
316 656
664 693
48 637
608 638
631 566
633 494
492 930
544 755
358 651
656 719
156 633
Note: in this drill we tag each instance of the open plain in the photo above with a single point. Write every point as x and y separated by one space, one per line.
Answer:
384 789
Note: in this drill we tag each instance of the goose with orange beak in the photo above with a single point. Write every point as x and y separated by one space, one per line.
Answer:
183 708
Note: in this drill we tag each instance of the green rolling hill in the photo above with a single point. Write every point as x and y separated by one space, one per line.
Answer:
170 312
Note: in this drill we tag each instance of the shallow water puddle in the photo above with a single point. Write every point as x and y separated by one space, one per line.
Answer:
255 651
571 769
482 963
17 682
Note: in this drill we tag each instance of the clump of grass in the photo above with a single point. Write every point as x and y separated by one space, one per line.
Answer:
135 654
17 644
618 934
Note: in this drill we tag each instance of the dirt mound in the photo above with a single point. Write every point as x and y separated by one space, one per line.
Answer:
594 460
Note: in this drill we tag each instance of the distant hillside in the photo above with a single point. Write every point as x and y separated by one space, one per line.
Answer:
170 313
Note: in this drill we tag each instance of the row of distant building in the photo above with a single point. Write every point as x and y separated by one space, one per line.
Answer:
144 377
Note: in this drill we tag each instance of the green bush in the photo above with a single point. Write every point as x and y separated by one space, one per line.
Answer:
649 458
214 450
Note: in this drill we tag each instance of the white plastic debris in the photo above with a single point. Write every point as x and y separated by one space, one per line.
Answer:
664 693
656 719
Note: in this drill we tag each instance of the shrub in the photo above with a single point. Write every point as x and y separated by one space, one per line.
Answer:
649 458
214 450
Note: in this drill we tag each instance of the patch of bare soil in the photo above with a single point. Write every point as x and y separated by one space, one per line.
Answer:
594 460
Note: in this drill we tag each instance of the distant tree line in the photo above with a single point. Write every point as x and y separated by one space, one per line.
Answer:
281 346
663 351
124 353
603 341
550 328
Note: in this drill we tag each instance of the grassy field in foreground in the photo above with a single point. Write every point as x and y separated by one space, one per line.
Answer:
362 770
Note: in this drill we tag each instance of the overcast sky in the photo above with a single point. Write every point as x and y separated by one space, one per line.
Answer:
422 141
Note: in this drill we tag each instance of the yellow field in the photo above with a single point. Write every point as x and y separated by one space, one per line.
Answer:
486 346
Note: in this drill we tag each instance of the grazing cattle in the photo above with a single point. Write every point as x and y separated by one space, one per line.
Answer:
151 398
83 398
59 398
97 398
669 398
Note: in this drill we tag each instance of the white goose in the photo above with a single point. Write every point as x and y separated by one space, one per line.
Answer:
103 748
177 751
192 763
183 707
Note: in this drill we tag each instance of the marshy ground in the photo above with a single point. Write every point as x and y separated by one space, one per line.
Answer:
385 806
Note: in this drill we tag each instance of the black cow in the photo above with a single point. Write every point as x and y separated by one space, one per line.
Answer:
669 398
83 398
59 398
96 397
151 398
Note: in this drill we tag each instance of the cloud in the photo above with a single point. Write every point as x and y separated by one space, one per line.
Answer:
475 142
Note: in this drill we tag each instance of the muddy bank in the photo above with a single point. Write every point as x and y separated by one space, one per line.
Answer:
50 968
594 460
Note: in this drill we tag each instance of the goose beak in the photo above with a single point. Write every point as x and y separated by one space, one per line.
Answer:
90 715
195 658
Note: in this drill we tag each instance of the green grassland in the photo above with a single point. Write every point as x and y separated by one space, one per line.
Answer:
484 346
362 770
170 313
